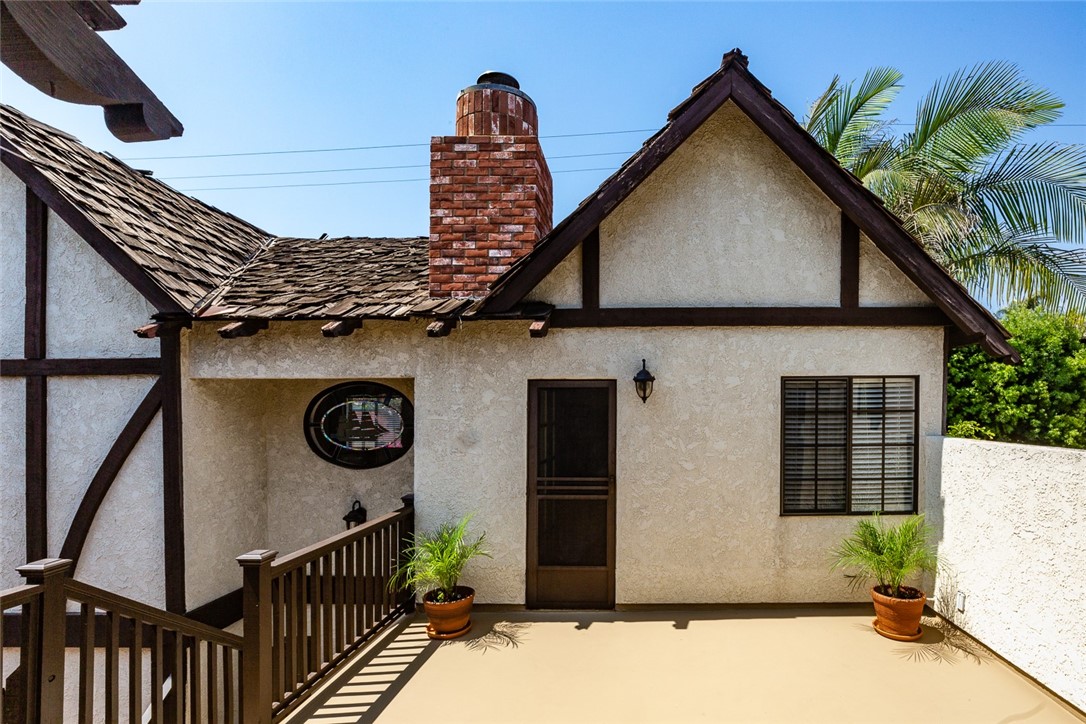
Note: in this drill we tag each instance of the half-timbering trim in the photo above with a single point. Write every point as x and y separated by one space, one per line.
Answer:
850 263
173 493
107 473
539 328
590 270
36 500
733 81
73 217
440 328
81 366
749 317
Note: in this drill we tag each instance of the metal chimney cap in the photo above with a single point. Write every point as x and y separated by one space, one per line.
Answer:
496 77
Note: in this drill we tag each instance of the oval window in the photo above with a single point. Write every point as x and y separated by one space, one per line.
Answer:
360 424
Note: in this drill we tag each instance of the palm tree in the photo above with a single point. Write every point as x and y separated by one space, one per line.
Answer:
1002 216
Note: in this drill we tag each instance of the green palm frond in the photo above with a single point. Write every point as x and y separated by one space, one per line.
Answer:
889 554
1038 188
436 559
976 112
846 122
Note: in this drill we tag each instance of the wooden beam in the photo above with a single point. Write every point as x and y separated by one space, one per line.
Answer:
147 331
106 247
37 520
107 472
590 270
173 492
51 47
749 317
439 328
850 262
34 326
99 15
73 366
244 328
539 328
341 328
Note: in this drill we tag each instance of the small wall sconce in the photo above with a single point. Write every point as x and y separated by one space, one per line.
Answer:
643 382
356 515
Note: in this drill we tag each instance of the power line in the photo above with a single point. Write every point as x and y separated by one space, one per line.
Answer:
362 148
362 168
357 183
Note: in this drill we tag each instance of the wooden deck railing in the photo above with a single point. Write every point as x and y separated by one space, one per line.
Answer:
312 609
193 667
303 615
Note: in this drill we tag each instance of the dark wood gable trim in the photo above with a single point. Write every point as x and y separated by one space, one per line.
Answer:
108 249
850 263
173 492
733 81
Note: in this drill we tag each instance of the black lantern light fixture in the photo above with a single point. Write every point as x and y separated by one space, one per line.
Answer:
356 515
643 382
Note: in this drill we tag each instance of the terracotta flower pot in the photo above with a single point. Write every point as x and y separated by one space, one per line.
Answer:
898 618
449 620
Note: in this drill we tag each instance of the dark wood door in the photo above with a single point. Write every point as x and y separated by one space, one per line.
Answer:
571 494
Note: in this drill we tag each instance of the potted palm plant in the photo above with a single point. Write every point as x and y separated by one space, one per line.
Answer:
432 567
890 554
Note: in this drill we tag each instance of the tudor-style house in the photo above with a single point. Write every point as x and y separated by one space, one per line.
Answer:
796 332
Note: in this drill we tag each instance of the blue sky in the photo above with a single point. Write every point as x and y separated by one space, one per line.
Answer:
254 76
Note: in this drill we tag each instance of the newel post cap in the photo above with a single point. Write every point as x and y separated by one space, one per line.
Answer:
258 557
39 570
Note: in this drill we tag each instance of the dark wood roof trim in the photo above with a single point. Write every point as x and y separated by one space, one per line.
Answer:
850 262
749 317
30 175
733 81
52 46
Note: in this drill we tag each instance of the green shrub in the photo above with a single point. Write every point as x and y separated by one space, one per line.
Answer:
889 554
1041 401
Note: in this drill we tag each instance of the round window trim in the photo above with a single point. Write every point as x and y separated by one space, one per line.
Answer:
360 425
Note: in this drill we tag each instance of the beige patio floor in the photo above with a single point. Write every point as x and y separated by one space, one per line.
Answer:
817 664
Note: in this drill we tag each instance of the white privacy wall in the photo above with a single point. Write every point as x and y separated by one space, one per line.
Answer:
1012 538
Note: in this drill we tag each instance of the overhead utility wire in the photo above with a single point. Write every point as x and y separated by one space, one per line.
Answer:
363 148
357 183
361 168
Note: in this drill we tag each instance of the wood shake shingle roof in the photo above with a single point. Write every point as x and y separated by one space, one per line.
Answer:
192 259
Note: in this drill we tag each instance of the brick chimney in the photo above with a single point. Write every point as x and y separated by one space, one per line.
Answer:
490 188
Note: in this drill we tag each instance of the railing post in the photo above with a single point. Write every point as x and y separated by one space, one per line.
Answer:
407 538
256 650
49 639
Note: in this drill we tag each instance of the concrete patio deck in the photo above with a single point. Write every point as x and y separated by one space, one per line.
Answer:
790 664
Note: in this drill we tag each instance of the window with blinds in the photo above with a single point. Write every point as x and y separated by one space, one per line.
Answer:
849 445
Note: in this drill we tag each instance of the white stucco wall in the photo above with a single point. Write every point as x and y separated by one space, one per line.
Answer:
698 466
12 263
91 312
91 309
12 475
225 482
562 287
308 496
1012 538
726 220
882 284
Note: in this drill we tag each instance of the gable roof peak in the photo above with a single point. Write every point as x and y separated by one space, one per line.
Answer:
735 55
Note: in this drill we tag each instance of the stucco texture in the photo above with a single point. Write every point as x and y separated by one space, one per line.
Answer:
251 480
1012 539
726 220
91 309
698 475
12 263
12 475
562 287
882 284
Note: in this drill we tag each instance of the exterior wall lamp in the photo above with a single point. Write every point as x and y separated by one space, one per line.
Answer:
356 515
643 382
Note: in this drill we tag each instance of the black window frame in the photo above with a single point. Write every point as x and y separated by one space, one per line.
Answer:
849 413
